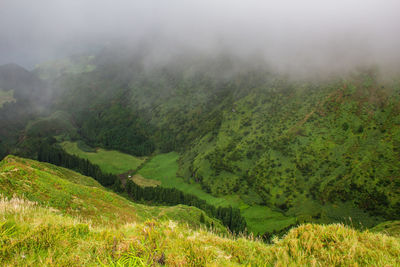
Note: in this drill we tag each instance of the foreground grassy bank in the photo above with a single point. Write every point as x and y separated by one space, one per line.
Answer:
31 235
51 216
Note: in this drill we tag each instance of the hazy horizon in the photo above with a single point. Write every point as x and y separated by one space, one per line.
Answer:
297 37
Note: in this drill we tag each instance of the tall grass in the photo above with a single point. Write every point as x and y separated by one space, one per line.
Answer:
32 235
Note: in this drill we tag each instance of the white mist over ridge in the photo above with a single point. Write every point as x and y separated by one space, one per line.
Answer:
294 36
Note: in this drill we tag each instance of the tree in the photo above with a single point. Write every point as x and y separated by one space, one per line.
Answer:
202 220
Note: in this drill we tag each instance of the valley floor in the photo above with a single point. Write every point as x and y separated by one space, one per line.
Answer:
162 168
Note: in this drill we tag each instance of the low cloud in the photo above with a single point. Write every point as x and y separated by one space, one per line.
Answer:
298 37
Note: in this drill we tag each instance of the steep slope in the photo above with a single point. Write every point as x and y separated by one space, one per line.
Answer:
308 147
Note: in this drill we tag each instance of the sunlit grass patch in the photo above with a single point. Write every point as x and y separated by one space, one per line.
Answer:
140 180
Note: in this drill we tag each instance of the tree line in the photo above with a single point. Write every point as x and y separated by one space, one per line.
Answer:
230 217
59 157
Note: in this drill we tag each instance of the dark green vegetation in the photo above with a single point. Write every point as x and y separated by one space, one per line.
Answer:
29 93
306 151
51 216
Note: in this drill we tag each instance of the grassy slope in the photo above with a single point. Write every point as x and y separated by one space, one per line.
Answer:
33 235
110 161
259 219
391 228
75 194
308 140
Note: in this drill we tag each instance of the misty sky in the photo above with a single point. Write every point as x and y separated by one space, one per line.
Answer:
300 34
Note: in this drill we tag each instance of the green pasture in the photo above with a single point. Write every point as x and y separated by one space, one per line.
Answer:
110 161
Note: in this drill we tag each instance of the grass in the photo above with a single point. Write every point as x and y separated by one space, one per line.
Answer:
261 219
391 228
140 180
34 235
307 144
74 194
51 216
334 245
6 96
110 161
163 168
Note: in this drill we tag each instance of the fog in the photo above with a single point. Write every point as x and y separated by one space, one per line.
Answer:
299 37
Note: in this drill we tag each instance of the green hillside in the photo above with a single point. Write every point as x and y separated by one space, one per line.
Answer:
74 194
306 148
51 216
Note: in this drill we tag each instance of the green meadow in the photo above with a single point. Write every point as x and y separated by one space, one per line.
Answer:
110 161
163 168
